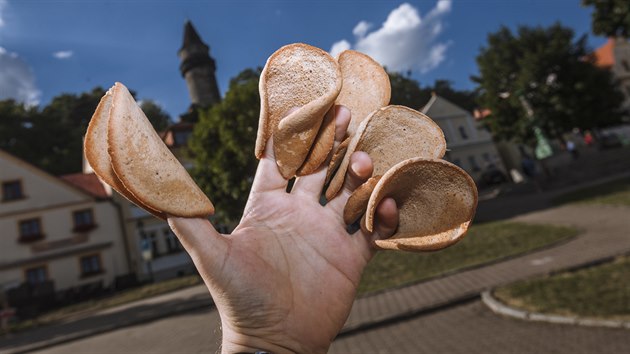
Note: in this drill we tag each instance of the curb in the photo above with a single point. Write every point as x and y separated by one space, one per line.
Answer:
501 309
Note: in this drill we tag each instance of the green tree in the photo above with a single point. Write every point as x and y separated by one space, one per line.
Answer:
610 18
59 130
158 117
15 123
407 91
465 99
546 69
222 146
52 138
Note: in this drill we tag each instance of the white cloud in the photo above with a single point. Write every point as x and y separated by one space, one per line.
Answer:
63 54
17 80
406 40
361 28
339 47
3 5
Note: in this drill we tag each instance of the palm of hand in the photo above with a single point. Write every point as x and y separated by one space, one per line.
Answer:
296 269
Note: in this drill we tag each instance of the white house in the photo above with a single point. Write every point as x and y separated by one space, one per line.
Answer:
468 145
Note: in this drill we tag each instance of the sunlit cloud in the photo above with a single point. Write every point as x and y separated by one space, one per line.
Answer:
405 41
17 80
63 54
3 6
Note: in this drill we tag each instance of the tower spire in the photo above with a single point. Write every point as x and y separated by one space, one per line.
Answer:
198 69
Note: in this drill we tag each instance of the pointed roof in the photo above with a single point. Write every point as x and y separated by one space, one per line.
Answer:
191 37
44 178
87 182
604 56
439 107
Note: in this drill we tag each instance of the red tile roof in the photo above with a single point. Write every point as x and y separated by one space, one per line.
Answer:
481 113
604 56
88 182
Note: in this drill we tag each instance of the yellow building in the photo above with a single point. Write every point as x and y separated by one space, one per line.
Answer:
61 230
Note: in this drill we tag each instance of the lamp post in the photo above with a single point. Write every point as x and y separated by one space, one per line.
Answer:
145 247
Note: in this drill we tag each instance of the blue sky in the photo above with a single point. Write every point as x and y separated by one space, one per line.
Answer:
49 47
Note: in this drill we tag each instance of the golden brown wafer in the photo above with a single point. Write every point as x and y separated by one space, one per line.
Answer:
436 202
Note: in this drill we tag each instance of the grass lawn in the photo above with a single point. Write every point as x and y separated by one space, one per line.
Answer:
483 243
116 299
601 291
613 193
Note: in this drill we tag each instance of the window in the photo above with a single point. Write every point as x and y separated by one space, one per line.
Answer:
473 163
36 275
181 137
172 244
153 243
12 190
90 265
30 230
462 132
83 220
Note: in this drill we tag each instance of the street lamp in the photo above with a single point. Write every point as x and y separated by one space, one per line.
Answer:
146 249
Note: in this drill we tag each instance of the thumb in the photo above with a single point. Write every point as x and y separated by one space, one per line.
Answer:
204 244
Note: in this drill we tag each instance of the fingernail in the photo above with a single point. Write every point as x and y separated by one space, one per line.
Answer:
355 167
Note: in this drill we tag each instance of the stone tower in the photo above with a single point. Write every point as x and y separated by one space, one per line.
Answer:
197 68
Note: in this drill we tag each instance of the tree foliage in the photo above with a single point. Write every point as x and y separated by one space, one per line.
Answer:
610 18
51 138
546 69
222 146
159 118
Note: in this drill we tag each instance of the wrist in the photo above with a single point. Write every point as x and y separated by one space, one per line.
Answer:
234 342
237 343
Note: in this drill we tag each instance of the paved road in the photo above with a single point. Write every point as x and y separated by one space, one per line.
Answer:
472 328
466 328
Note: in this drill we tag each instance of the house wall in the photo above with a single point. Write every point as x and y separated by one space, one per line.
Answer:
469 145
621 68
53 202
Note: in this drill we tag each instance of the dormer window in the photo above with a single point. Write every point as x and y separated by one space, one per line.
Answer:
181 137
462 132
12 190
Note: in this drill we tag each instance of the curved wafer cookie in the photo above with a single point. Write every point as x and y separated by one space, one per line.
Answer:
436 202
145 165
297 75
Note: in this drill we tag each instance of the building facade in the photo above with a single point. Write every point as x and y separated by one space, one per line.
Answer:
63 231
469 146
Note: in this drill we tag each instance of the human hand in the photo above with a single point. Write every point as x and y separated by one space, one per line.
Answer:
286 278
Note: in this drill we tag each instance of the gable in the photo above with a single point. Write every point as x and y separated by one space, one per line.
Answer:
40 189
439 107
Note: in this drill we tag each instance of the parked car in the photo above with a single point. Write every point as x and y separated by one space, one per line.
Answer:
610 141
